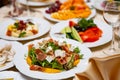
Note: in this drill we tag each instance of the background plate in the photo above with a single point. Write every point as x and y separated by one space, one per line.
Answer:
106 36
48 16
43 27
16 46
14 75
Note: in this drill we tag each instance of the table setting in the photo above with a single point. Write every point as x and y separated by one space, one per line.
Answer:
60 40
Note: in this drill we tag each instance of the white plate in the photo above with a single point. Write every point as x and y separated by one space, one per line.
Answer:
43 27
16 46
31 3
106 36
15 75
19 58
48 16
98 4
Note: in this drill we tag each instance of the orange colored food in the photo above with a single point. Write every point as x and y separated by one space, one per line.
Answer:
76 62
30 46
48 70
72 9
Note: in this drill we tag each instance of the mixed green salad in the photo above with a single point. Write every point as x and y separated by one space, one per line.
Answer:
53 54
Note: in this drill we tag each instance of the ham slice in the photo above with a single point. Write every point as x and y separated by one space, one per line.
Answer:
36 67
40 55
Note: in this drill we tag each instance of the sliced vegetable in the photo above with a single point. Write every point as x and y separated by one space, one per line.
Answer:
76 35
91 34
84 31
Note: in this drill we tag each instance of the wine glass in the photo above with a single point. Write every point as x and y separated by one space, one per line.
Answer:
14 9
111 15
28 8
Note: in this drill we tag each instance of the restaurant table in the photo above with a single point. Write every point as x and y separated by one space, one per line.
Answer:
36 12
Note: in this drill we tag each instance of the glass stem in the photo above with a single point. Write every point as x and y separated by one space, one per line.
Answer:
28 9
119 36
112 47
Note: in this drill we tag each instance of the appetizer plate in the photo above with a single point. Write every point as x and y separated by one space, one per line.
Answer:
32 3
106 29
48 16
24 67
43 28
11 75
16 46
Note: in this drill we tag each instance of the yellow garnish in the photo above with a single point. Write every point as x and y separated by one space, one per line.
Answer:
28 61
50 70
76 62
110 0
10 27
7 79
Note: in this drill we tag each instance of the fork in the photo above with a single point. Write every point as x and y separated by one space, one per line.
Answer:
60 35
27 20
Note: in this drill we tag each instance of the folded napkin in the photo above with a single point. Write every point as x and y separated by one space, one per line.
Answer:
107 68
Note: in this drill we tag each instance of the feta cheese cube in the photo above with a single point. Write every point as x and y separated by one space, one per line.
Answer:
72 48
60 53
48 49
49 58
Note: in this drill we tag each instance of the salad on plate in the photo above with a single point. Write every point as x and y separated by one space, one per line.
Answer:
48 58
53 56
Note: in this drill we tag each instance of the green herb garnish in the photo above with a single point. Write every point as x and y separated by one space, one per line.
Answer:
30 23
16 25
85 24
76 50
21 34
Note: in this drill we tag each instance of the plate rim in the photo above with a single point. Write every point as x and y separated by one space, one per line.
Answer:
14 74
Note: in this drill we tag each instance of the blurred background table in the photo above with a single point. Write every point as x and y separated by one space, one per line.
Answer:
36 12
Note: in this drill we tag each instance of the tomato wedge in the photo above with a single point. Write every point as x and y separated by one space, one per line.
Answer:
71 23
91 34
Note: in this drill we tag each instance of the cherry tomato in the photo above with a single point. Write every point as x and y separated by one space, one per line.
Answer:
71 23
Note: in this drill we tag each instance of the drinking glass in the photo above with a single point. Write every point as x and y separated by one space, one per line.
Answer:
14 9
28 8
111 15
